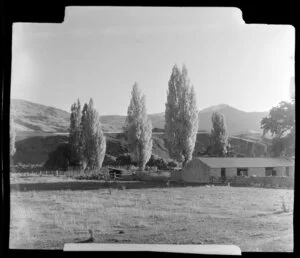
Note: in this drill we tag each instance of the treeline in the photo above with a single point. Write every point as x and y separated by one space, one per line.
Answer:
87 142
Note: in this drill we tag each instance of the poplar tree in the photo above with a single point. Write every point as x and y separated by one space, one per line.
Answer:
12 136
138 128
75 145
93 139
181 116
219 136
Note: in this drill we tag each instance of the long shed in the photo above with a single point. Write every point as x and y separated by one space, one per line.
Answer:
201 169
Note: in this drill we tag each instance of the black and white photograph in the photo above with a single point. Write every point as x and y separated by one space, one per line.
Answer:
152 126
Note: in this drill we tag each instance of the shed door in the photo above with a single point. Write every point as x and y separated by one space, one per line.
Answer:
223 172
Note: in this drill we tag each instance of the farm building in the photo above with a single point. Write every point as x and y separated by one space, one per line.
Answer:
201 169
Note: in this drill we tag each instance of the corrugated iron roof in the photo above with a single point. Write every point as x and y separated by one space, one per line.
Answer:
246 162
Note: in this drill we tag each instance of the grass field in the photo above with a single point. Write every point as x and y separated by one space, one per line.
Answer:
251 218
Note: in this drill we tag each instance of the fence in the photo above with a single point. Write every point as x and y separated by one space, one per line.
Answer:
162 176
40 173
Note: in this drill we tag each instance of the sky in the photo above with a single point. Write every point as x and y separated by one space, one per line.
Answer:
99 52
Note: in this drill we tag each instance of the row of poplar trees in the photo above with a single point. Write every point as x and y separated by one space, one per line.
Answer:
88 144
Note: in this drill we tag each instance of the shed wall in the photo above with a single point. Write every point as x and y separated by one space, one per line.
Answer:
176 175
292 171
195 171
280 171
215 172
229 172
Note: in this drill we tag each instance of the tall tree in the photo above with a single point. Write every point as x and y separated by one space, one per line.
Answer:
93 139
12 134
219 136
281 124
181 116
75 134
138 128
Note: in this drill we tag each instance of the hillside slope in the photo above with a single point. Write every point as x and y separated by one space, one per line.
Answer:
35 150
33 119
237 121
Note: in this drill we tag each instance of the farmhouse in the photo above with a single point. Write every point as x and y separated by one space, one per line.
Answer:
201 169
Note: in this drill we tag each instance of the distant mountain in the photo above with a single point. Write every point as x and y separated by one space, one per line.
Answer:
237 121
35 119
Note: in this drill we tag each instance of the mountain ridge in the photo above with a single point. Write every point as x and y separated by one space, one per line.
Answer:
37 118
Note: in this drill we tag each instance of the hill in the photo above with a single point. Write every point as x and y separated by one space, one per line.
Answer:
34 119
35 150
237 121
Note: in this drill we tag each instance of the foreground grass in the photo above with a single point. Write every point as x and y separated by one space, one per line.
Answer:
251 218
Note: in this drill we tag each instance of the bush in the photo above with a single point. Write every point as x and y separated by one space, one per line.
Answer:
132 168
27 167
125 160
148 168
172 164
158 162
109 160
89 175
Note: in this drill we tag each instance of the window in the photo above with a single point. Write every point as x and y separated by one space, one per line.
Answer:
242 172
223 172
271 172
287 171
268 171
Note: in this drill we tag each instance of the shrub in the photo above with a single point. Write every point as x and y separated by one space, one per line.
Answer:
26 167
285 206
125 160
89 175
158 162
148 168
172 164
132 168
109 160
